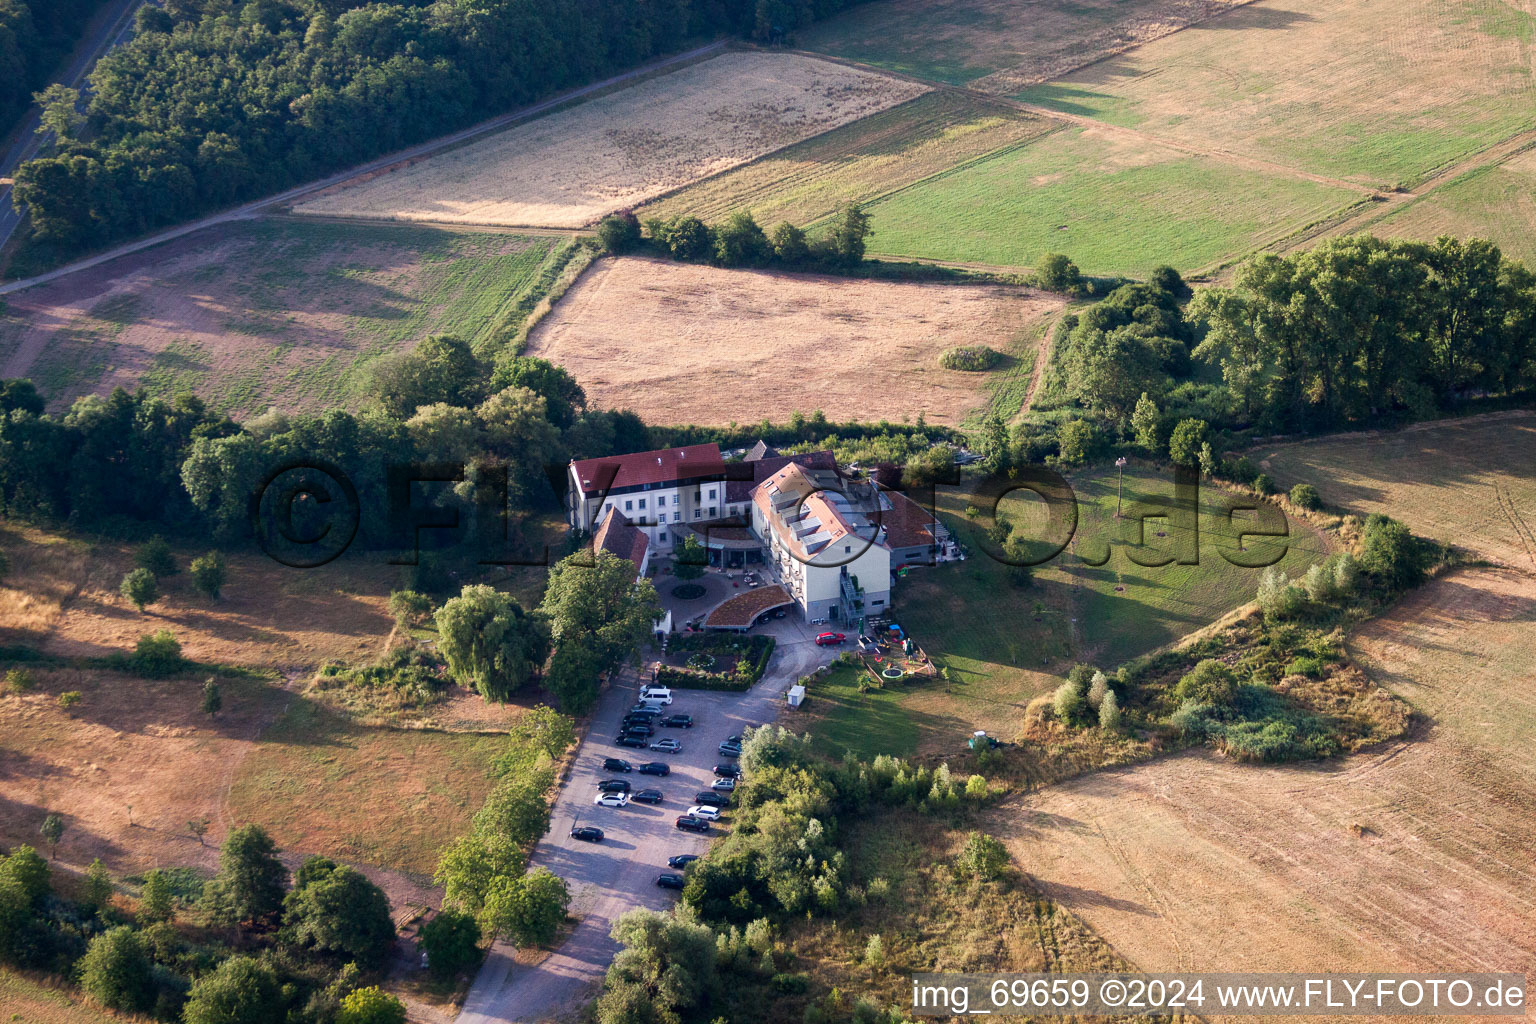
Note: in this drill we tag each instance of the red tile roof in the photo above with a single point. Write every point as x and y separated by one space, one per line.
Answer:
740 611
618 536
768 465
907 524
657 467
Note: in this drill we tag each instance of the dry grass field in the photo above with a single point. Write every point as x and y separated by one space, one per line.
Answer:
268 312
1380 92
871 157
574 166
32 1001
1410 858
1471 482
999 46
680 343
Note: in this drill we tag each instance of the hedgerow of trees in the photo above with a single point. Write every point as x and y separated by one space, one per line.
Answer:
35 37
215 102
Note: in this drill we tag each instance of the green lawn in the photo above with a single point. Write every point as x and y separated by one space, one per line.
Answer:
843 719
1115 205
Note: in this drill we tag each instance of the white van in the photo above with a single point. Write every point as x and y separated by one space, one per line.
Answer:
656 695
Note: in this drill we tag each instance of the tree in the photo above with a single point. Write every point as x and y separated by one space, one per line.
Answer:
209 573
442 369
874 952
1391 554
1068 703
96 892
740 242
370 1006
598 615
452 943
687 238
241 991
337 910
1098 686
1147 422
544 729
1184 444
790 246
139 588
471 863
846 238
528 908
249 885
619 232
665 970
60 115
155 555
157 655
1109 712
490 642
1057 273
52 830
213 700
199 828
1078 440
156 902
116 971
691 559
982 858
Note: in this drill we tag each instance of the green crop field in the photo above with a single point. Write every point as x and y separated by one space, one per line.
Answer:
1376 91
273 312
857 162
1497 202
1116 205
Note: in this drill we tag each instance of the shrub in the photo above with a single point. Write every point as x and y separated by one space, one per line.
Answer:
790 246
410 608
1209 682
69 698
116 971
1242 470
155 555
740 242
687 238
982 857
19 680
1346 574
1068 703
619 232
1078 440
1264 485
370 1006
451 941
1306 496
1306 665
874 952
139 588
1192 720
1320 583
1098 686
209 573
157 655
1168 279
1278 597
971 358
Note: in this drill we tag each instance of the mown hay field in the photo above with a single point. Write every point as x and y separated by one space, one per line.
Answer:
1067 192
999 46
871 157
1381 92
681 343
271 312
570 168
1403 859
1470 482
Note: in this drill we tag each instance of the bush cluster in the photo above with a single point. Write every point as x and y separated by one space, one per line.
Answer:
971 358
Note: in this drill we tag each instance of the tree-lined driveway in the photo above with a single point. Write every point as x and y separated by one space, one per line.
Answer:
619 874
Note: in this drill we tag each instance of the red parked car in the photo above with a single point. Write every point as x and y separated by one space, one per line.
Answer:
829 639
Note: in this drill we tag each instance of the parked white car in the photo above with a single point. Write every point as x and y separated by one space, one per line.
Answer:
611 799
705 812
656 695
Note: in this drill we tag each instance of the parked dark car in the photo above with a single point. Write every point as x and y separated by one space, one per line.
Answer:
649 710
728 771
587 834
670 881
734 739
613 786
638 742
678 721
639 720
647 796
639 729
616 764
712 798
688 823
682 860
655 768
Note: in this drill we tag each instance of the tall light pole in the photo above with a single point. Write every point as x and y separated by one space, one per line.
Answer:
1119 484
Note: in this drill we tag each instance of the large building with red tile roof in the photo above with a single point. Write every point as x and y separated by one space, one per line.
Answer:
620 537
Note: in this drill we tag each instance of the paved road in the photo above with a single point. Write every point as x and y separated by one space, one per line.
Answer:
115 28
252 209
619 874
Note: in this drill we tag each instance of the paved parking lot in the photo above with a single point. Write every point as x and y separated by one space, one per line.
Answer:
618 874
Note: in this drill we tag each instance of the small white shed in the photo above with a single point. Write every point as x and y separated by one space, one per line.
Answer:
796 695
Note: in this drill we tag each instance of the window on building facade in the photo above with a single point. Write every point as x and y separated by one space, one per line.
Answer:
629 506
677 517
